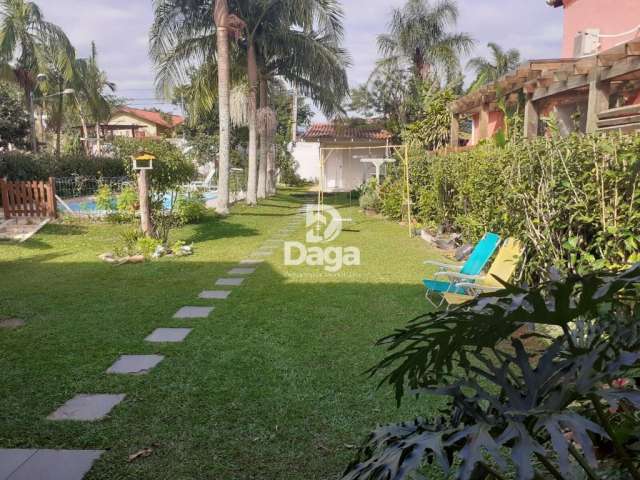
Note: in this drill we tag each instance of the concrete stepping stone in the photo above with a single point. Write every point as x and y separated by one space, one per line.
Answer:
229 282
193 312
11 323
135 364
87 407
250 261
215 294
241 271
168 335
18 464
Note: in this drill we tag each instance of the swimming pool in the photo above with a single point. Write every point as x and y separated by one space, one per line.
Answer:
87 205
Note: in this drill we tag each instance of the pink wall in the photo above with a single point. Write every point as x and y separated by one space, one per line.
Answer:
496 122
610 16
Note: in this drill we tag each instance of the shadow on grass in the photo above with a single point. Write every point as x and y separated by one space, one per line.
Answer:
281 359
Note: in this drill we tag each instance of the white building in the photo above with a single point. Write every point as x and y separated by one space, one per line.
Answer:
344 169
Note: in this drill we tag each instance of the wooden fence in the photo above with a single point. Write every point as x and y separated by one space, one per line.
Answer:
28 198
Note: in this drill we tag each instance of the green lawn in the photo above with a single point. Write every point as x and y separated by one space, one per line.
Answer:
271 386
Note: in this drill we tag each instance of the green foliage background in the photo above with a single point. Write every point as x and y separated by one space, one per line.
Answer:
575 201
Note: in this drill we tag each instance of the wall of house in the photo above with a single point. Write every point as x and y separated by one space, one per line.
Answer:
150 129
496 122
307 157
611 17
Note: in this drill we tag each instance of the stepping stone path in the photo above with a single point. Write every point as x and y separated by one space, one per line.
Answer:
18 464
135 364
86 407
229 282
241 271
11 323
215 294
168 335
193 312
34 464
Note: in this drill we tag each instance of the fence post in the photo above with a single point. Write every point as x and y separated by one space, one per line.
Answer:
5 198
51 201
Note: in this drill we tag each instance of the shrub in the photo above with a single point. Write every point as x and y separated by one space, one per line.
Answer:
191 208
104 199
574 201
127 201
26 166
512 411
369 198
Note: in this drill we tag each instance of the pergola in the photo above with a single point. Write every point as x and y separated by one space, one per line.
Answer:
106 128
595 78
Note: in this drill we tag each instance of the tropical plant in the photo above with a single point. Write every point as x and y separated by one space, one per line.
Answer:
489 70
14 120
90 83
543 406
23 34
419 36
287 44
432 129
191 208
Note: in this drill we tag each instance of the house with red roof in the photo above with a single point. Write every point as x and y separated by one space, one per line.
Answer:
147 123
342 149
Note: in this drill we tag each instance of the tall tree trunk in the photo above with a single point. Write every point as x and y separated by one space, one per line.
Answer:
85 131
32 120
220 17
59 123
252 177
264 144
294 117
98 146
271 168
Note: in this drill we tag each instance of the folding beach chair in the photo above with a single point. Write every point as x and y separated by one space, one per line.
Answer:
472 267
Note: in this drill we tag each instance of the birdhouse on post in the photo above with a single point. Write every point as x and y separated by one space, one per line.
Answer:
143 162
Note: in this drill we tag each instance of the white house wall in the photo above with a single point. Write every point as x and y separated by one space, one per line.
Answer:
307 157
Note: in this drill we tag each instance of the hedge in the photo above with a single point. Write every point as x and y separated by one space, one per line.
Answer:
575 201
26 166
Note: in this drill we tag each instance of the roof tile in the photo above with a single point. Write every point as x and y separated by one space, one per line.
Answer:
342 132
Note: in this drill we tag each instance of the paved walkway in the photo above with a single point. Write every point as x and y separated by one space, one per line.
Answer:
33 464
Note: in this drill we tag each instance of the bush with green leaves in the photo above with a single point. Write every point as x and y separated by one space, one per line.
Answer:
537 405
369 198
127 201
575 201
190 208
105 201
26 166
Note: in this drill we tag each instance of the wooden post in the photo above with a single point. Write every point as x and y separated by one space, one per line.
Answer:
455 130
599 93
52 203
145 210
483 122
5 198
531 118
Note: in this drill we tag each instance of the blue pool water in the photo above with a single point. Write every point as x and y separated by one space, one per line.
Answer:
87 205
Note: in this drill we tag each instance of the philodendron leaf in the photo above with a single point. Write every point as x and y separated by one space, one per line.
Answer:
478 442
614 396
523 448
395 452
564 428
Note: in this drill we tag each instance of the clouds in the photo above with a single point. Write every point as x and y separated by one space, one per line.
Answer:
120 29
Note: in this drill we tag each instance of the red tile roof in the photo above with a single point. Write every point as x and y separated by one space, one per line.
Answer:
153 116
319 131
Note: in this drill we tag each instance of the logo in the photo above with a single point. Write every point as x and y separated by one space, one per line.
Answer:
324 225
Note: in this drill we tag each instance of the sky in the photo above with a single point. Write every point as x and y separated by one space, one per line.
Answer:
120 29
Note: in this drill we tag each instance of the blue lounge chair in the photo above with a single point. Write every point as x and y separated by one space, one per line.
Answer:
473 266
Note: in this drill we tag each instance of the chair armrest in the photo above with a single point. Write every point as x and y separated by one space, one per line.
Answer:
478 288
446 266
453 276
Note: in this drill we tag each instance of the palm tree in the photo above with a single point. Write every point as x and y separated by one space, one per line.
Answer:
23 32
489 70
90 83
284 41
418 35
